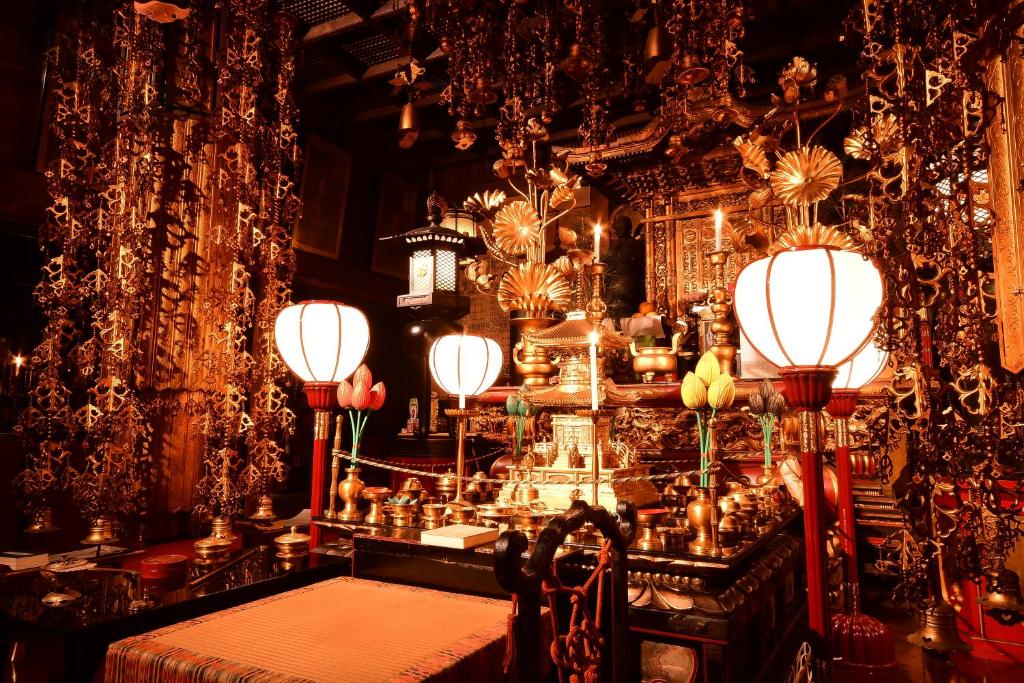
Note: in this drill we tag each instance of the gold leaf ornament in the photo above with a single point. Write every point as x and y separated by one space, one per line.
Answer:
799 72
517 228
485 203
753 156
806 175
533 289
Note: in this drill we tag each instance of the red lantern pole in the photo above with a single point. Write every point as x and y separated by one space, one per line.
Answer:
861 645
322 398
808 389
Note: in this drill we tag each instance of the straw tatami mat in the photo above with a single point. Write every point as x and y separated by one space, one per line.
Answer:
339 630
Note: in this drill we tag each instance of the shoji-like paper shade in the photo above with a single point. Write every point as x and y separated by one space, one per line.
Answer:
322 341
865 366
464 364
808 306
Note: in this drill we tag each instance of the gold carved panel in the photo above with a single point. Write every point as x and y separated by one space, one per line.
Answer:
1005 77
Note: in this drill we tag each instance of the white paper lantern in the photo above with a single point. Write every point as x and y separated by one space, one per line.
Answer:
860 370
322 341
808 306
464 364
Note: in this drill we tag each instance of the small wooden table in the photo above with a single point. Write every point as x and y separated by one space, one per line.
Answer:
343 629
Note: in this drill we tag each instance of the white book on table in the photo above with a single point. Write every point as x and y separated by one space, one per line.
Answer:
458 536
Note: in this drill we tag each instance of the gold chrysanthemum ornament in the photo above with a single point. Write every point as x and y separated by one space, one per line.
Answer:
517 228
806 175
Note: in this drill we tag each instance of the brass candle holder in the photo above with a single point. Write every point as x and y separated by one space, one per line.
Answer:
595 460
461 510
597 309
336 453
720 302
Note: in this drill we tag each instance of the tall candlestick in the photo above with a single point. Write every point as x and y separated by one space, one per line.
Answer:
718 229
593 370
597 243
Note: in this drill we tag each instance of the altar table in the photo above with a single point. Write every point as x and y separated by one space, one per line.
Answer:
341 630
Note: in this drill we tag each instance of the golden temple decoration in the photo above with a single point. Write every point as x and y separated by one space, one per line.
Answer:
159 303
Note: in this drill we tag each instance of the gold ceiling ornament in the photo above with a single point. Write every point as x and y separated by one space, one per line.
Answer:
806 175
516 228
533 290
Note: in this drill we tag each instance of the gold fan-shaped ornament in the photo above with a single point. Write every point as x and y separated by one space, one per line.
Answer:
814 235
532 289
485 203
856 144
517 228
806 175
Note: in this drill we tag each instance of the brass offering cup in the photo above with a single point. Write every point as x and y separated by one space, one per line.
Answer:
403 514
376 495
649 520
433 515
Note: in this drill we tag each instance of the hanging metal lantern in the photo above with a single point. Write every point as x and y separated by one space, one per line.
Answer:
1002 599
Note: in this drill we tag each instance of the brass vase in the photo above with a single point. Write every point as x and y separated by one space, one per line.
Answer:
350 490
532 362
700 514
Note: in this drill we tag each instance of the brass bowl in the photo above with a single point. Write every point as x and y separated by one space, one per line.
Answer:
292 544
433 515
403 514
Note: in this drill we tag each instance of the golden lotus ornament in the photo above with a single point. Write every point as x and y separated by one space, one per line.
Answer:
533 289
517 228
806 175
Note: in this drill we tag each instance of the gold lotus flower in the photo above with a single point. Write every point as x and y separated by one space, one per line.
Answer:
532 289
708 369
517 227
722 392
486 202
856 144
801 72
693 391
564 193
806 175
753 155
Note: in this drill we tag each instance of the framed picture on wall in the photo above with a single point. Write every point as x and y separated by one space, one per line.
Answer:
325 180
397 212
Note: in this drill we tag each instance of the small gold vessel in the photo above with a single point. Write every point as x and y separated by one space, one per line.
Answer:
649 520
462 514
700 514
376 495
433 515
292 545
529 522
349 490
411 488
446 486
656 361
494 514
402 514
218 543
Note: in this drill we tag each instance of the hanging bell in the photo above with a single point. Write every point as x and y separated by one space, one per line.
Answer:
42 521
657 55
97 533
1002 599
264 510
938 631
408 126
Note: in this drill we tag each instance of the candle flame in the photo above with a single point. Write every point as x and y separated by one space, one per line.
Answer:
19 360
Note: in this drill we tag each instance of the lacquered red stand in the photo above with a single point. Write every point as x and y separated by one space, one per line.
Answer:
323 399
862 646
808 389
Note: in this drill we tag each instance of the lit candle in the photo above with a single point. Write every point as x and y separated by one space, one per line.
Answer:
593 370
18 362
462 401
597 243
718 230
